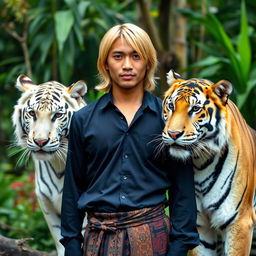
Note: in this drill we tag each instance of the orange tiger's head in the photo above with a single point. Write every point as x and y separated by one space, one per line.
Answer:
195 115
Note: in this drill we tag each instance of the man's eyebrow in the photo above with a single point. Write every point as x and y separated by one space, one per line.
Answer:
115 52
120 52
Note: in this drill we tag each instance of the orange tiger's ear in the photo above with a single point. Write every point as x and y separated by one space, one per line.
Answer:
172 76
223 89
24 83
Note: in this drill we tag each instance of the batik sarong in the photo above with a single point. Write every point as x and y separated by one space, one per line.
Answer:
143 232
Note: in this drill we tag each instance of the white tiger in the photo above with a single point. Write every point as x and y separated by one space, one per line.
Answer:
41 120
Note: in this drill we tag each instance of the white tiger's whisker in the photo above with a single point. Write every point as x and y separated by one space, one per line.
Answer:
17 151
23 159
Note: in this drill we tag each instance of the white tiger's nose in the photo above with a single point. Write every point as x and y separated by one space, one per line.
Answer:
41 142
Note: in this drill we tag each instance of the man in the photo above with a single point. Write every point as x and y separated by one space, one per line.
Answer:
116 171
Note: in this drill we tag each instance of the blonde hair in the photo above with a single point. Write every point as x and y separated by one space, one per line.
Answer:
139 41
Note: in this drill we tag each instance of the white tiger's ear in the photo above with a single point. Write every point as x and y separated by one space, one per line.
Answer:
77 89
223 89
172 76
24 83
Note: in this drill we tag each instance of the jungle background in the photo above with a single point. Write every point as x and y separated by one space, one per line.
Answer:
58 40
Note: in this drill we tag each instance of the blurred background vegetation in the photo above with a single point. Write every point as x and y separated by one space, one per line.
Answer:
58 40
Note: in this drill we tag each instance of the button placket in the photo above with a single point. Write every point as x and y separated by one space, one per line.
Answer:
125 164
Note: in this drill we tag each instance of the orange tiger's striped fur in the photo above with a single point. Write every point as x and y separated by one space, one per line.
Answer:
203 124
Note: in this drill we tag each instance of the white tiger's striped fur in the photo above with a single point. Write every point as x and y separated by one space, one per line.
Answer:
203 124
42 118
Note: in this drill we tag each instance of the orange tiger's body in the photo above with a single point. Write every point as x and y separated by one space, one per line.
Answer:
203 124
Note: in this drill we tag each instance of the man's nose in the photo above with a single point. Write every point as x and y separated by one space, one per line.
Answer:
127 63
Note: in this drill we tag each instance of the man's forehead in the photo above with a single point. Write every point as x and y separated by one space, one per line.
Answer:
120 45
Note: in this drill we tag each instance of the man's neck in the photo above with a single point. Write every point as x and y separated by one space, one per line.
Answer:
127 96
128 101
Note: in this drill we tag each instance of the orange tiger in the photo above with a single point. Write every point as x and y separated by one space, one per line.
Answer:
202 123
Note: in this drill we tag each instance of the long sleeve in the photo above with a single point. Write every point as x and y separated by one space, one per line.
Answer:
74 183
183 236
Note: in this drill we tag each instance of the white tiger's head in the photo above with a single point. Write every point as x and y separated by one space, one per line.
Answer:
43 114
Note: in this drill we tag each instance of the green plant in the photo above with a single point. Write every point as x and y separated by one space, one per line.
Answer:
228 57
20 215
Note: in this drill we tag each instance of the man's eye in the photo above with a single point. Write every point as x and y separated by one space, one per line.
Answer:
136 57
117 57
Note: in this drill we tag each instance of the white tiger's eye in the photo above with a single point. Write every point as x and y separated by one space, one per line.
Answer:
32 113
58 115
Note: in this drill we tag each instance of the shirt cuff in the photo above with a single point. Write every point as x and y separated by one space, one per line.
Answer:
181 248
72 246
177 249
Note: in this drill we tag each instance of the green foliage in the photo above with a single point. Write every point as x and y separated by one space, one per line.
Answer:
93 95
20 215
228 57
63 39
64 21
18 8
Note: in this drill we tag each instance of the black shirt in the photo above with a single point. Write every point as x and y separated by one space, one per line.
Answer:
114 167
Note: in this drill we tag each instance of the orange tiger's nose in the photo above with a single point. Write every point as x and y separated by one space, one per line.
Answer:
174 134
41 142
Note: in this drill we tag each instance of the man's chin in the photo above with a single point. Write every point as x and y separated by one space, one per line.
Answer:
130 85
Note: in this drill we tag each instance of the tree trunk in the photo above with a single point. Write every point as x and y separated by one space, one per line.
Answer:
178 36
161 38
23 40
17 247
164 8
149 24
54 50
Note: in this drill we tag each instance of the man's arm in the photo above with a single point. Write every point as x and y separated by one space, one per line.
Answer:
74 183
183 236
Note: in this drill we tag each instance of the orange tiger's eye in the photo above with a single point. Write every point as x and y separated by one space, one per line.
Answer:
171 106
196 108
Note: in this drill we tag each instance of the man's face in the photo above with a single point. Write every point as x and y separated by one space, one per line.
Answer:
126 68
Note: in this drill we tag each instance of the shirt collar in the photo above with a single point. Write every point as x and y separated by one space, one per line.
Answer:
106 100
147 102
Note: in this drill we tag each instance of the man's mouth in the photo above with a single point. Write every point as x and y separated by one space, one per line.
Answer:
127 76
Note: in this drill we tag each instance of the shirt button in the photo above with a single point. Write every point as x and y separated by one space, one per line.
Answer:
123 197
125 156
125 177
